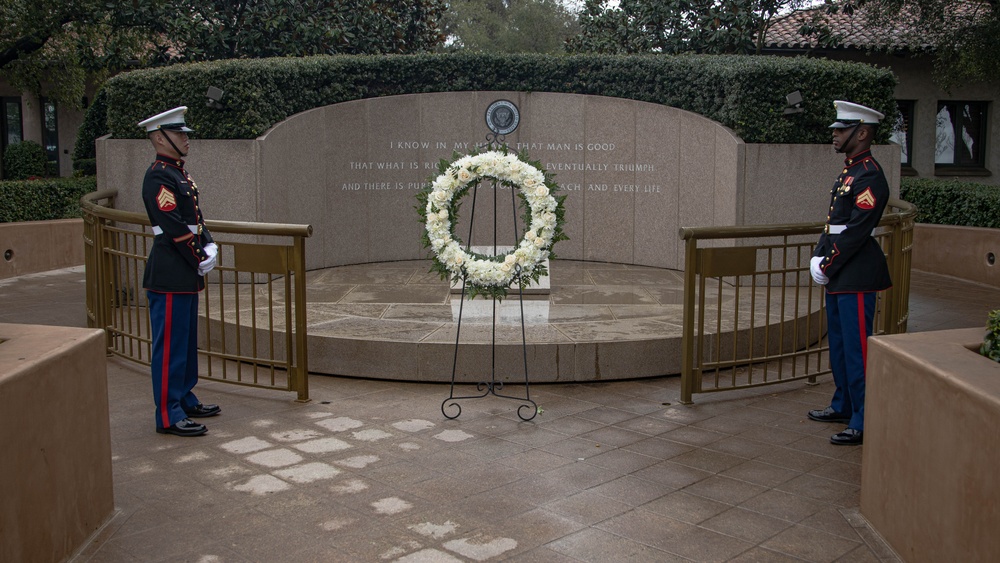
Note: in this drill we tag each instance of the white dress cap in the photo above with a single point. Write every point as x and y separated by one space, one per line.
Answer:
850 114
171 120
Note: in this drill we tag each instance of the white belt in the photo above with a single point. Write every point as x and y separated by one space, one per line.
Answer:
835 229
192 228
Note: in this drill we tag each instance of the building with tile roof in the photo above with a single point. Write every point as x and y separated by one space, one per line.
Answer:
942 133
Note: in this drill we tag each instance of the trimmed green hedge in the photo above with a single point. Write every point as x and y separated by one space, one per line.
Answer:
745 93
25 159
42 200
950 202
95 124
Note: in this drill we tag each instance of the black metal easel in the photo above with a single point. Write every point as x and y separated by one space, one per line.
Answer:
492 387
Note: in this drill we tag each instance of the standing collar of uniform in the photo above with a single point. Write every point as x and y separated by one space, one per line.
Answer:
867 153
170 160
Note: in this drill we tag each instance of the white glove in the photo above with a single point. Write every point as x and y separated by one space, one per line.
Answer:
817 274
211 249
207 264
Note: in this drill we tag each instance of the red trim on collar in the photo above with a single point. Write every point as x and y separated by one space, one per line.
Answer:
169 161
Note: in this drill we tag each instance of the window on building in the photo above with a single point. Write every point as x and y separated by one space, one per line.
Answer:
961 135
10 123
50 135
902 134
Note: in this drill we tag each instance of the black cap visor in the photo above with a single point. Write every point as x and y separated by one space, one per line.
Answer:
176 127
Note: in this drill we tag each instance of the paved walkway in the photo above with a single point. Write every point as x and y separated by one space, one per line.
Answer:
371 471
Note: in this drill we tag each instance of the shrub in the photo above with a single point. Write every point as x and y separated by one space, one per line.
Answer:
42 200
951 202
85 166
991 343
24 160
95 124
744 93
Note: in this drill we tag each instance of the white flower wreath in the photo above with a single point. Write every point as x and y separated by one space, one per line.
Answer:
492 274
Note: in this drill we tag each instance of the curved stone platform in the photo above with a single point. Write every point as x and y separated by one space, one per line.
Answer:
395 320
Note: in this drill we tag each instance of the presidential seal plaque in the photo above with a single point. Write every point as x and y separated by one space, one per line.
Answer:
502 117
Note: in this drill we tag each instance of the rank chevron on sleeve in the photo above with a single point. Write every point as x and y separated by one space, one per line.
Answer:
165 199
866 200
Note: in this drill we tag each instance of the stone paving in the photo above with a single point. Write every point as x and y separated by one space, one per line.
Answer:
371 470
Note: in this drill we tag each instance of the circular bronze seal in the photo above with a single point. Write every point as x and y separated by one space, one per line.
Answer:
502 117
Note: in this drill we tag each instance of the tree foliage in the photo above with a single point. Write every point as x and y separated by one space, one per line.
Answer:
226 29
77 40
509 26
67 42
961 33
677 26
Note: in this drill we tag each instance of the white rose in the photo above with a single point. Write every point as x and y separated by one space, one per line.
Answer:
464 176
539 242
443 214
542 191
440 196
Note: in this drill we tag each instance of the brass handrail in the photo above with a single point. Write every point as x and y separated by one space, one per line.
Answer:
89 204
268 356
763 273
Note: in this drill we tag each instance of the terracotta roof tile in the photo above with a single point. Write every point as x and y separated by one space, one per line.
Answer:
785 33
854 30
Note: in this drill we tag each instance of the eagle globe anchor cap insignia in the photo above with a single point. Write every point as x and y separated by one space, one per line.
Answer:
502 117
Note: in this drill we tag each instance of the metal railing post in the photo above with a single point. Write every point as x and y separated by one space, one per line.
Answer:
301 369
102 310
687 339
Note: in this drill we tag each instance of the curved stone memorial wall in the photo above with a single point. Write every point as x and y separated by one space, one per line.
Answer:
630 170
633 173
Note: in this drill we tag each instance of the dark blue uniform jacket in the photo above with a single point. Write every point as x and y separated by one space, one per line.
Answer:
171 200
853 259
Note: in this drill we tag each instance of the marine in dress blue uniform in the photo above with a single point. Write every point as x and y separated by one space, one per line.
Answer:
852 266
182 253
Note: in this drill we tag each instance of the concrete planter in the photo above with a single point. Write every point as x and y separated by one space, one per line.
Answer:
932 450
56 435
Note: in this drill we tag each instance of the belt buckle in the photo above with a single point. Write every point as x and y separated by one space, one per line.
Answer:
826 229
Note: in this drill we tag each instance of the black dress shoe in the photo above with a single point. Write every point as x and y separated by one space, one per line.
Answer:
849 437
829 415
203 411
186 427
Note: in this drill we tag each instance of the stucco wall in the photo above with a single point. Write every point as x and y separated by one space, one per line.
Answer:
968 253
40 246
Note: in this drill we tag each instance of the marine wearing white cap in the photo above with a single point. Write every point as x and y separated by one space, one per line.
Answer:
182 253
170 120
849 262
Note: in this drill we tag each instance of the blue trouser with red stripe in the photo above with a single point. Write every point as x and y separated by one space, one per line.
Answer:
849 324
174 361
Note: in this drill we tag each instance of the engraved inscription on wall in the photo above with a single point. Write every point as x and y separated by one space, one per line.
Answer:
571 162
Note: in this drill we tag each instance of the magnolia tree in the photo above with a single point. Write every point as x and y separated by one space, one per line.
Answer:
677 26
509 26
